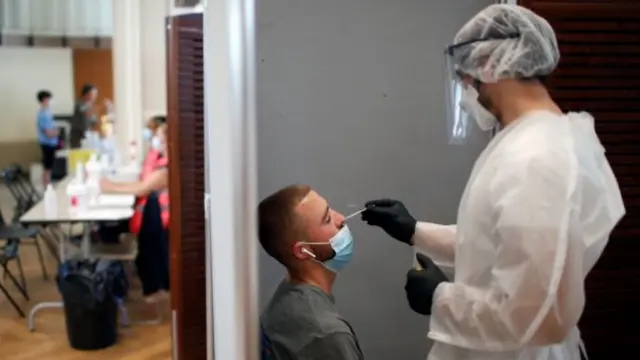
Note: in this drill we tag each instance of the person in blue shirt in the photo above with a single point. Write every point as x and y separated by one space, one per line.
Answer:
47 134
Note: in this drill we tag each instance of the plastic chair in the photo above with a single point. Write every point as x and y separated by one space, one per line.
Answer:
25 194
9 252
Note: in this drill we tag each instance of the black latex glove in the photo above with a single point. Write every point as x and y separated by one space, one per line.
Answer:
421 284
392 217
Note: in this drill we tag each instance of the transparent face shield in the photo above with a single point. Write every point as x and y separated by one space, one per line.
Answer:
458 121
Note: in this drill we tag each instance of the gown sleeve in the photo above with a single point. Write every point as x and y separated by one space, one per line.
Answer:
437 242
536 292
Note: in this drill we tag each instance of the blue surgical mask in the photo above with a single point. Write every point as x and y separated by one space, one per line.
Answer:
147 134
342 245
156 144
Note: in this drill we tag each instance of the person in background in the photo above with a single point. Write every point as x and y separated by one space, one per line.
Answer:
152 126
84 115
150 221
154 180
149 133
297 228
47 134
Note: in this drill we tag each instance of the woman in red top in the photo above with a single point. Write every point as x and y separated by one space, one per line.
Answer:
150 221
156 178
150 135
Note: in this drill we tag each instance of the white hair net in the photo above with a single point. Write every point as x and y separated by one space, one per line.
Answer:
505 41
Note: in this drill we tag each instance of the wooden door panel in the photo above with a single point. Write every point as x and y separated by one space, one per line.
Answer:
599 72
94 66
186 184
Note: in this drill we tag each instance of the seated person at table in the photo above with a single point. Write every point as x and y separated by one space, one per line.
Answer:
150 221
150 135
152 178
110 232
297 228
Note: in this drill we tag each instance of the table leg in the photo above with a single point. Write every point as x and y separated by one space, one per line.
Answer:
86 240
40 306
50 241
124 314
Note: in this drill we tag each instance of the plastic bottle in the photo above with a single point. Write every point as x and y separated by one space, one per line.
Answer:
50 202
77 194
105 164
94 174
79 175
94 169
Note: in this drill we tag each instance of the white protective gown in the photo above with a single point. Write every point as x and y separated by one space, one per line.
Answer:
534 218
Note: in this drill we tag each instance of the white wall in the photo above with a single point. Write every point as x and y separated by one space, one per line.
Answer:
139 60
23 72
127 73
153 46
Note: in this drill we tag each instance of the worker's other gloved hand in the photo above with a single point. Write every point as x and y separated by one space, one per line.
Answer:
422 283
392 216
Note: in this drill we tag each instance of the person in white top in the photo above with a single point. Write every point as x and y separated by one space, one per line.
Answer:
536 214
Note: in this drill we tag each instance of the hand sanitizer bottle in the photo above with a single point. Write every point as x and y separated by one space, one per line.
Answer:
94 171
78 197
79 175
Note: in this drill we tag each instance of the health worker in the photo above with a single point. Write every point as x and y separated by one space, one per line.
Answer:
536 213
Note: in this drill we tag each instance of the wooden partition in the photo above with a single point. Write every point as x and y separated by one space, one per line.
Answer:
599 72
186 185
94 66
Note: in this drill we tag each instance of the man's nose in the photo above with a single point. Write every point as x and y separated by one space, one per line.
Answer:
339 220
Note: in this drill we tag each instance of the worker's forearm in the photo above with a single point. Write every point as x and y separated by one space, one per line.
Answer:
436 241
135 188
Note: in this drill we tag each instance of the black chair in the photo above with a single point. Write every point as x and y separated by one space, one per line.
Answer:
19 232
10 252
16 179
25 195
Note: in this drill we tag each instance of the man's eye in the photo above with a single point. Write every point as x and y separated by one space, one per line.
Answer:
328 219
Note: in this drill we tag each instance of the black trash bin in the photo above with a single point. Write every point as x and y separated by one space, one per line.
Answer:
90 291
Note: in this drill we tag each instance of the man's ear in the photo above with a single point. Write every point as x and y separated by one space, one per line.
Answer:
302 252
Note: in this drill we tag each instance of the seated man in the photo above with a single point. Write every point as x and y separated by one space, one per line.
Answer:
298 229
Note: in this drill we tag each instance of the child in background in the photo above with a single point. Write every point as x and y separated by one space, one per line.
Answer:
47 134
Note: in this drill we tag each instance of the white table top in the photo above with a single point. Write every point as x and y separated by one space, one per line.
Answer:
109 207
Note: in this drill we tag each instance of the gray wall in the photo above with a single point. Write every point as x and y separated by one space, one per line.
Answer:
350 100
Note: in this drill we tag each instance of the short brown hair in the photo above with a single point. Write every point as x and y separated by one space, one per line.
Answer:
277 223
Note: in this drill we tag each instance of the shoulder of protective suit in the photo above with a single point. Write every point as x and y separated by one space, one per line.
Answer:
543 143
